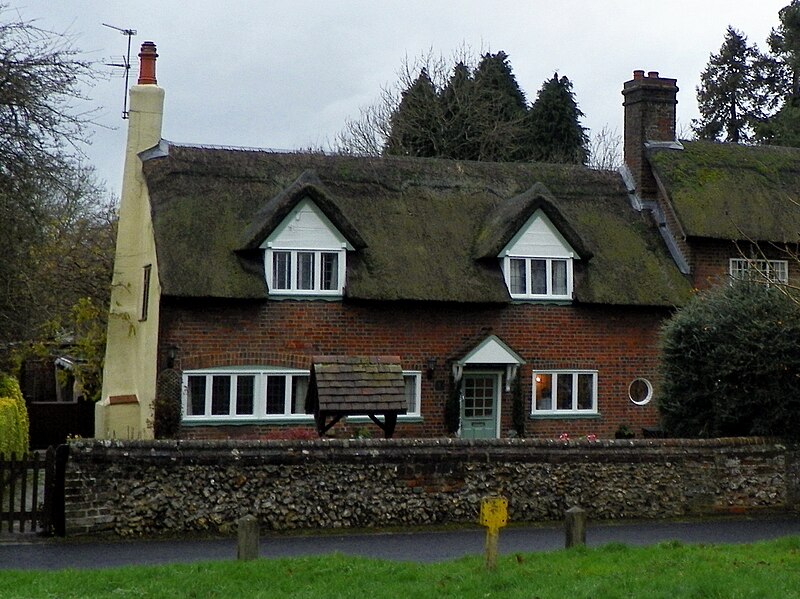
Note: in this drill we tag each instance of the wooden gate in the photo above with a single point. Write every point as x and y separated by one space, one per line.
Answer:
32 492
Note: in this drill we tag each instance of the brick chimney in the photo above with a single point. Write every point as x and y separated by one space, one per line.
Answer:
649 104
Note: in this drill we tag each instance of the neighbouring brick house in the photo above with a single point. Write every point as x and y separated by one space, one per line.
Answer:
513 296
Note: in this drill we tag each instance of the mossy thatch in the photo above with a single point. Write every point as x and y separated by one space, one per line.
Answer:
417 225
732 192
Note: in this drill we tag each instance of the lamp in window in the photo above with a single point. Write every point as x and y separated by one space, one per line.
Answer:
430 367
172 354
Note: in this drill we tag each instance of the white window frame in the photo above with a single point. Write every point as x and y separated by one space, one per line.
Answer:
259 395
549 294
648 395
574 410
763 269
316 289
416 375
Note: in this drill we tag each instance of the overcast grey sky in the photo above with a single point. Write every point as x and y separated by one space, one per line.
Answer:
286 74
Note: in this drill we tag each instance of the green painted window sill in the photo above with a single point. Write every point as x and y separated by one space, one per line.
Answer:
568 416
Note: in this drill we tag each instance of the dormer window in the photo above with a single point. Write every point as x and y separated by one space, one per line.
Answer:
540 277
305 255
537 262
306 270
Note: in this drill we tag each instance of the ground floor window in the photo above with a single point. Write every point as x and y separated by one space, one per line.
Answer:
244 394
562 392
268 393
413 381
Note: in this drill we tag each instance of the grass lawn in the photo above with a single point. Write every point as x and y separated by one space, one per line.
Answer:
670 571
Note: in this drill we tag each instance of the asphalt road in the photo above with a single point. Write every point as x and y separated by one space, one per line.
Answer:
49 554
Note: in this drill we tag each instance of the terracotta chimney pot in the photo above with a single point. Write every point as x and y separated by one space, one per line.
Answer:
147 64
638 74
653 74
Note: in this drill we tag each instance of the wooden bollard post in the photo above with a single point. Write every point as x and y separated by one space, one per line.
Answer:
247 546
494 515
575 525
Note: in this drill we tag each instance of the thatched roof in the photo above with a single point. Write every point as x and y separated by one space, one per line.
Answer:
732 192
421 228
504 221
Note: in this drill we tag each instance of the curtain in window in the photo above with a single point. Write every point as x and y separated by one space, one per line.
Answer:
559 277
329 279
518 276
305 270
539 277
281 270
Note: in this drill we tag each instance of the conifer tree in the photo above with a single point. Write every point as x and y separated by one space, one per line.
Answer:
736 91
783 128
460 131
416 124
784 42
554 129
470 113
500 110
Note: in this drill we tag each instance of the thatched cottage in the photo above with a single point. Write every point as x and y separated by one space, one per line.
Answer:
444 297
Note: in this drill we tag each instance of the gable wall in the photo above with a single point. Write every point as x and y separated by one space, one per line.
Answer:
618 342
711 260
306 227
538 238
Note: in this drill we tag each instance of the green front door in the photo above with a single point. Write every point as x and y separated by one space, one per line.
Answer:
479 406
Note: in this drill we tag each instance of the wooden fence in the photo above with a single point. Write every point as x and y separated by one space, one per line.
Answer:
32 492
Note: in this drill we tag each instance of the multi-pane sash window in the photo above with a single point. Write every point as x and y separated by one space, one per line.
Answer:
306 272
244 394
564 392
771 271
539 278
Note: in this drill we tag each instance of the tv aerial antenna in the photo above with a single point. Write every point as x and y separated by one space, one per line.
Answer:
125 64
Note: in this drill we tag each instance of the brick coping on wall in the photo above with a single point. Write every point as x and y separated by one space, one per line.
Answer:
488 445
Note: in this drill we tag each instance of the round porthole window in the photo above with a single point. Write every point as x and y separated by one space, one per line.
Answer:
640 391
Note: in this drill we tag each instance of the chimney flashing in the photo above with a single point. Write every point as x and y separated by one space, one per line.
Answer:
666 145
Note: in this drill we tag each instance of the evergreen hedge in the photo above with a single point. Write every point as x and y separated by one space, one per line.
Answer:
731 364
14 425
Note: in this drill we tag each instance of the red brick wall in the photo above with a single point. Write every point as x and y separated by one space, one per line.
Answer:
620 343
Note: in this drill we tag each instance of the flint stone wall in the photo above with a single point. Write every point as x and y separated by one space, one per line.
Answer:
134 488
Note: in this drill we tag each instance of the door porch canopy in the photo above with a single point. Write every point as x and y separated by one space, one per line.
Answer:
492 351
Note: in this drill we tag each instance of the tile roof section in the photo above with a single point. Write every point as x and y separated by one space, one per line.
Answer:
357 385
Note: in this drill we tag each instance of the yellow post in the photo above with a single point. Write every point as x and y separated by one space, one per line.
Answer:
494 515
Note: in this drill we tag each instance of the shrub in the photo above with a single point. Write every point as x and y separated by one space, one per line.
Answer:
167 405
14 426
731 364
